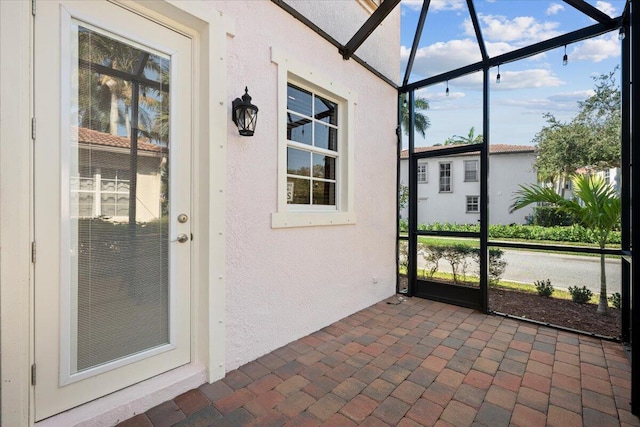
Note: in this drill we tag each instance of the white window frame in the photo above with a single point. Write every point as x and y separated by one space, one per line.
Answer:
477 203
290 70
467 170
423 169
440 177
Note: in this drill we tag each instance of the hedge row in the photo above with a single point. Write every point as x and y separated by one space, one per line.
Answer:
571 233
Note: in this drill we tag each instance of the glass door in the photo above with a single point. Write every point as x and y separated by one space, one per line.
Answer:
112 281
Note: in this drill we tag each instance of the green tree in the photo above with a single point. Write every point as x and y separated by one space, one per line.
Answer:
561 151
596 205
471 138
422 122
590 140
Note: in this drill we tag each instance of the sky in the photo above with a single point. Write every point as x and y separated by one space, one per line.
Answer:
528 88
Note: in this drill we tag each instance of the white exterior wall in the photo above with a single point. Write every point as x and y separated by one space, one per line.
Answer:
285 283
255 288
506 172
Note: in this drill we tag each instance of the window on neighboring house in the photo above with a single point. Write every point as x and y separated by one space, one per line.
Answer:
315 147
473 204
422 172
470 170
445 177
607 176
100 192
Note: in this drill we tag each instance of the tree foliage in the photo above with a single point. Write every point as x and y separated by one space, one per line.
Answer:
596 205
591 140
471 138
421 121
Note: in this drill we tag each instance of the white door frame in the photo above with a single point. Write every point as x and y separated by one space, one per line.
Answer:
209 30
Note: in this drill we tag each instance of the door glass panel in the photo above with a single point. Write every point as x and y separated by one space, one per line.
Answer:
118 199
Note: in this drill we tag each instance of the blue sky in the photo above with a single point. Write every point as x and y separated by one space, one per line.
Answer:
528 88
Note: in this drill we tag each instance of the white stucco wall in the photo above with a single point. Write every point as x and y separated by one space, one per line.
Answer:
506 172
271 286
282 284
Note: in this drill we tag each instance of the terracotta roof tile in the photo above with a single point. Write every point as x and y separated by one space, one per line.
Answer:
493 149
100 138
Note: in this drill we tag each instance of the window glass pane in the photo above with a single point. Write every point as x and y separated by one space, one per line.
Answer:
471 170
298 191
117 224
445 177
326 137
299 100
298 129
324 193
298 162
324 166
326 110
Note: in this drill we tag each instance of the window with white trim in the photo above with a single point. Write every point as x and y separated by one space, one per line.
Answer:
473 204
422 172
315 147
445 177
312 149
470 171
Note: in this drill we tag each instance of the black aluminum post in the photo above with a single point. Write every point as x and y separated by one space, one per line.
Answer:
484 196
412 248
398 183
416 40
635 207
625 188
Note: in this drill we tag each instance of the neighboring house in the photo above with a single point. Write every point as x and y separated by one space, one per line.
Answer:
237 246
449 187
103 188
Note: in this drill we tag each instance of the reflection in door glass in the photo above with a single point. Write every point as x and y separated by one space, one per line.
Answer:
118 196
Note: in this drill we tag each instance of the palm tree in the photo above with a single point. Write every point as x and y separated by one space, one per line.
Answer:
596 205
471 138
421 121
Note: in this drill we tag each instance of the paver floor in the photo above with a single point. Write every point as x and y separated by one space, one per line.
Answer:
417 363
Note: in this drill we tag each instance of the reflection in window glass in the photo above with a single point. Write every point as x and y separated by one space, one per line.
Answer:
312 151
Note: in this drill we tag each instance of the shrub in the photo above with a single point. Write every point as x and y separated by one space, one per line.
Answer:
544 287
580 295
431 255
497 265
456 255
616 300
550 216
403 253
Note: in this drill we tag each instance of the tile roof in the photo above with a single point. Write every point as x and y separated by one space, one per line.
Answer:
493 149
100 138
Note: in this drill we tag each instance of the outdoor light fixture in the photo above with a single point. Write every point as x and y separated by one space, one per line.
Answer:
621 34
244 114
565 58
498 76
446 92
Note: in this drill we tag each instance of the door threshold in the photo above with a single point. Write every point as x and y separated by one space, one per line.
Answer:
136 399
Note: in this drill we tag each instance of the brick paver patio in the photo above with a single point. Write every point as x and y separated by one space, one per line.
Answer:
418 363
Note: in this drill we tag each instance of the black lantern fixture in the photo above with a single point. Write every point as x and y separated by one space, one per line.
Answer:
244 114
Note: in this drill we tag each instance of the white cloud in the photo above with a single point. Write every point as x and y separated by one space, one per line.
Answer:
554 8
526 79
574 97
442 56
435 5
596 49
520 30
606 7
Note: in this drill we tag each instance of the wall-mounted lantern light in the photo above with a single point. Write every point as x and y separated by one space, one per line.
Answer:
244 114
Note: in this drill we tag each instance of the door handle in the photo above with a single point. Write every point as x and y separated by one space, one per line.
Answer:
182 238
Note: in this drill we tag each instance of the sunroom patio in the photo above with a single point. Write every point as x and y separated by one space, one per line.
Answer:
415 362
